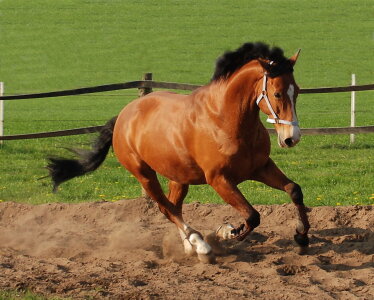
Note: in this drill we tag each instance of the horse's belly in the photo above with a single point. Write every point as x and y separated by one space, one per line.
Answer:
174 164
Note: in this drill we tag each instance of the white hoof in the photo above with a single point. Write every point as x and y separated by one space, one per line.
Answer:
201 246
225 232
188 248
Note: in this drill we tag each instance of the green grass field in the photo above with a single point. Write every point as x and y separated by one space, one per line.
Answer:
18 295
59 44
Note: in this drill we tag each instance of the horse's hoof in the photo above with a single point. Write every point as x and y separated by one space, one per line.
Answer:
302 240
209 258
188 249
225 232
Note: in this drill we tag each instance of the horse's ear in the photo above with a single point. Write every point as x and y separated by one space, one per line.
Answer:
293 59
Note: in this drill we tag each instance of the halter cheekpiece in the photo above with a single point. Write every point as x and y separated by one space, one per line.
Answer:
275 119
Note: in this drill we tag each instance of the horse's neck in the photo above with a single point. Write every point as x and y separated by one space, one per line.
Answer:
234 102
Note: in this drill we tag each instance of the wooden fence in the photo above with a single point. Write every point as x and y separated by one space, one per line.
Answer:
147 84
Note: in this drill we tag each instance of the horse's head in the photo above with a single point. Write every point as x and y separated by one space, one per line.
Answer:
277 98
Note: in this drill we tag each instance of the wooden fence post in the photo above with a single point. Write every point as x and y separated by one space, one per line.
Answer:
353 108
143 92
1 112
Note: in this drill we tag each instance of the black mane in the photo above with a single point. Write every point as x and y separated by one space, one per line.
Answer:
231 61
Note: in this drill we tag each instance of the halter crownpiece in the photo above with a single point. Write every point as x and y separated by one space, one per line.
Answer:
275 119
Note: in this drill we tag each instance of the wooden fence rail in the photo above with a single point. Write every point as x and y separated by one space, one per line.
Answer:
92 129
49 134
147 84
141 84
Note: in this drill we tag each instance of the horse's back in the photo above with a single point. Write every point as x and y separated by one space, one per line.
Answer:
155 110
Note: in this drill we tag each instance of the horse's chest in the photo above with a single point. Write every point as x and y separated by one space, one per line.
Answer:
245 160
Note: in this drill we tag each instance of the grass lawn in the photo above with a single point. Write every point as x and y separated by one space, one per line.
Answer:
14 295
52 45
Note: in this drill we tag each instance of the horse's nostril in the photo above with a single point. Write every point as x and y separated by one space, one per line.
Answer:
288 142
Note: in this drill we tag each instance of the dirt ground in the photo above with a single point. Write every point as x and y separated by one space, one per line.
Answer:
128 250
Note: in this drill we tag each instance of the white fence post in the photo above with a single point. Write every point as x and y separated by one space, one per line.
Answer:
353 109
1 111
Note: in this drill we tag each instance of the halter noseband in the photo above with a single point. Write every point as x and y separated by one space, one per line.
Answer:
275 119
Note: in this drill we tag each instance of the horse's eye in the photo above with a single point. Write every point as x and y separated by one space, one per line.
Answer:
278 95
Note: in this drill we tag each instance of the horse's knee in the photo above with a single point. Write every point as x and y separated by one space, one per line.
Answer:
295 192
163 210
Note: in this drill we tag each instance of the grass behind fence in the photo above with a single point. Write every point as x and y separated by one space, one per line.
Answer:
54 45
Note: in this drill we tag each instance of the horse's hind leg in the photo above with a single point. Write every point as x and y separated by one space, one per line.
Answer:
172 208
272 176
192 239
177 193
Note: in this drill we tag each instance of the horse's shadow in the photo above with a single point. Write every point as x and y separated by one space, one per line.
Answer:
244 250
343 240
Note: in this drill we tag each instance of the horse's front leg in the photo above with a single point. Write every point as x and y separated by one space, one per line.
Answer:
171 207
272 176
230 193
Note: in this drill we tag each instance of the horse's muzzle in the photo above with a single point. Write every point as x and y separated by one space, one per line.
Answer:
288 136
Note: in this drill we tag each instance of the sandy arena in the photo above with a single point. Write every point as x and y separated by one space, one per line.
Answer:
129 250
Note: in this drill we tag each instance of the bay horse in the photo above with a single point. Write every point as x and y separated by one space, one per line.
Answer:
212 136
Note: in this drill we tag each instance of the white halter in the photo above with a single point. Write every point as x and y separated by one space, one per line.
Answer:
275 119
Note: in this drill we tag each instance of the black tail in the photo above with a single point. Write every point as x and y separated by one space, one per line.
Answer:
62 169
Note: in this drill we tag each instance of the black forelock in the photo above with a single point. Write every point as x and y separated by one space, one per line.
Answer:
231 61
